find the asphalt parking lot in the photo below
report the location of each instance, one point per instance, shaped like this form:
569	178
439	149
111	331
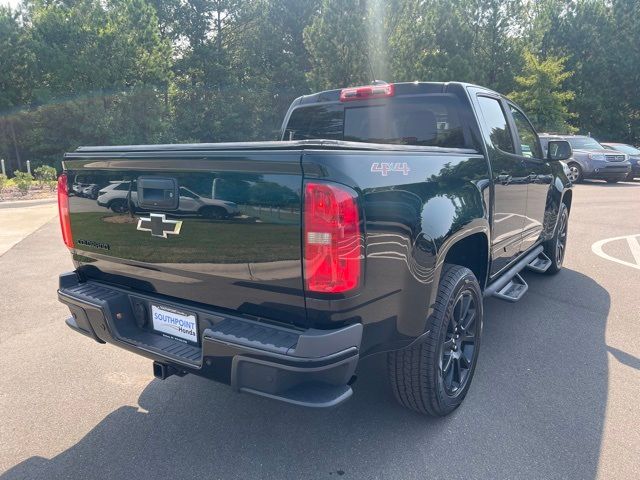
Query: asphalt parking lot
555	394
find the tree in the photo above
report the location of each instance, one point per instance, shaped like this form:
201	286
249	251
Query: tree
540	93
626	57
337	45
585	34
16	60
101	69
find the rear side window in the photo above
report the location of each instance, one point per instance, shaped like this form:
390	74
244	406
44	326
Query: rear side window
496	122
320	121
427	120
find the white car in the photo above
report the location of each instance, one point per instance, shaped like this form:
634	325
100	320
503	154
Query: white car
114	196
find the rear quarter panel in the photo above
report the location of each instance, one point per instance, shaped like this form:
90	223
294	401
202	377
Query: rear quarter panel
413	210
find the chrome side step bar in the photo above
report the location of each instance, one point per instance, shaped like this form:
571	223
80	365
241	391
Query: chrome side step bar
511	286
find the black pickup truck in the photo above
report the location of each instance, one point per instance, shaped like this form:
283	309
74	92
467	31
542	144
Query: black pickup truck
377	225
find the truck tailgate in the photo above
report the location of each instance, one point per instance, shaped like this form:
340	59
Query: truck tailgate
216	228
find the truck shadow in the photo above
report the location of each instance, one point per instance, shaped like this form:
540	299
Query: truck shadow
536	409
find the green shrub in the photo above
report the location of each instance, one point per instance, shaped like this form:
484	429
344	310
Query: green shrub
3	181
23	181
46	175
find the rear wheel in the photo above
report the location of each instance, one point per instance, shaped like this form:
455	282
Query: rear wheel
575	172
433	377
214	213
556	247
119	206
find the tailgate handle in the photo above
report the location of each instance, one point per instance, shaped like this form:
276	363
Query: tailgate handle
156	192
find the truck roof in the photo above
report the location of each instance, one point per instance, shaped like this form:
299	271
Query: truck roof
402	88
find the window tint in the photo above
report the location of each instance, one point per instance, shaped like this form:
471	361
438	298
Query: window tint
432	120
528	137
496	122
320	121
427	120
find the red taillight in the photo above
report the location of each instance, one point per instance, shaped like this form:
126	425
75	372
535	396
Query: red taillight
332	240
369	91
63	210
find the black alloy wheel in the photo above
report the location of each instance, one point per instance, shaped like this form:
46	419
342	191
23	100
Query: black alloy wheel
556	247
458	348
561	243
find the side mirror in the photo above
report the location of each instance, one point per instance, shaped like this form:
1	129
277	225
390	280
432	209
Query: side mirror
558	150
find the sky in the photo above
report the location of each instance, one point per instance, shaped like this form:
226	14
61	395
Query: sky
11	3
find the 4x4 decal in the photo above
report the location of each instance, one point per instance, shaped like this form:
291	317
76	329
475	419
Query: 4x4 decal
384	168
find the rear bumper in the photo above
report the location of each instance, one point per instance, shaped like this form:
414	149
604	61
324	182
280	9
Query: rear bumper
305	367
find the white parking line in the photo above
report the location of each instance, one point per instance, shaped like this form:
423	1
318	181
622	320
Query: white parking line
634	246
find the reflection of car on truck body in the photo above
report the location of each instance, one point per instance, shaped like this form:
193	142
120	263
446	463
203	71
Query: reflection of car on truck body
394	209
590	159
115	196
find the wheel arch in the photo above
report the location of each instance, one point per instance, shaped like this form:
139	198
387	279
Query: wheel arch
462	249
567	197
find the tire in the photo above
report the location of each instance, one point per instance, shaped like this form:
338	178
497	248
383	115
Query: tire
419	375
630	177
576	175
612	180
119	206
555	248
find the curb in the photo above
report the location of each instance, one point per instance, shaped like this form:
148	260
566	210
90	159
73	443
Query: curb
26	203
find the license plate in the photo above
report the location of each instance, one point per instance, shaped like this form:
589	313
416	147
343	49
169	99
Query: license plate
177	325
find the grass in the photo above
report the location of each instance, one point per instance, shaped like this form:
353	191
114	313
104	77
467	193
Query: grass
200	240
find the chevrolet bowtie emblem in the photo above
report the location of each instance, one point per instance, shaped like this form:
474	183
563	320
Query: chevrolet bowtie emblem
158	225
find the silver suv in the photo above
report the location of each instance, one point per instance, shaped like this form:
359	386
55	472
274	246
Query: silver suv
591	160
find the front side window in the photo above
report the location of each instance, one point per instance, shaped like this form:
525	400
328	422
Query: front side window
526	134
496	122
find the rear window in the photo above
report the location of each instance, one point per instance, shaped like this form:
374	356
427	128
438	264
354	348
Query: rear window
428	120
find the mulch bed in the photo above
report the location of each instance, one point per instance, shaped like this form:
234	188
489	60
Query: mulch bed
34	193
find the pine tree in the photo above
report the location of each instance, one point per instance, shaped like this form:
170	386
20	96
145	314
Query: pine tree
540	93
337	45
